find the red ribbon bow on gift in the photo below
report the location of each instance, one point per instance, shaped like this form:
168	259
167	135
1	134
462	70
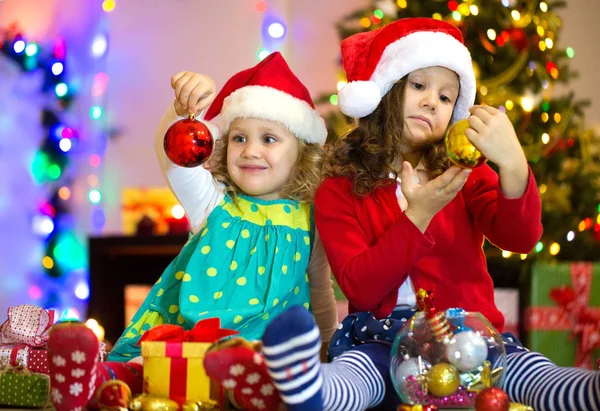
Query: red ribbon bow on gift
208	330
585	321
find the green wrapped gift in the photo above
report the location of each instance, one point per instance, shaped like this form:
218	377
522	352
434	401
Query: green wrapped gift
22	388
563	317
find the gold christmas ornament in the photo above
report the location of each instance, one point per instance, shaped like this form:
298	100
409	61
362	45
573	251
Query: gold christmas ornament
460	150
206	405
144	402
515	406
443	379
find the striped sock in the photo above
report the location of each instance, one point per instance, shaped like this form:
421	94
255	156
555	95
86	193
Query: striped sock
534	380
291	346
351	382
291	349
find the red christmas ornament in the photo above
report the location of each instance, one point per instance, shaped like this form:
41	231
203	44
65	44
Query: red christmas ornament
519	39
113	395
188	142
492	399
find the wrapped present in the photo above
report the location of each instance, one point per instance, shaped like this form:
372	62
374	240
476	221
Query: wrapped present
563	319
34	359
173	361
507	301
24	336
20	387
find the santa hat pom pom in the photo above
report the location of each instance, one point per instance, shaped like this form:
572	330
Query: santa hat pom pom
358	99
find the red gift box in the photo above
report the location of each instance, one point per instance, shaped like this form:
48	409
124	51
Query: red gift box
24	336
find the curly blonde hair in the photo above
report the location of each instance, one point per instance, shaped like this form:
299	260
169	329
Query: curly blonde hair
368	152
302	183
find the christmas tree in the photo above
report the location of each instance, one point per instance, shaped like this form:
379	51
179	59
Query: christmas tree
517	64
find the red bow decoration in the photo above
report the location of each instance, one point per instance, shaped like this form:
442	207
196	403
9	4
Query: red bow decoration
585	321
208	330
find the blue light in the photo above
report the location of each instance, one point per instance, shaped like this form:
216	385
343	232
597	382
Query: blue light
276	30
19	46
57	68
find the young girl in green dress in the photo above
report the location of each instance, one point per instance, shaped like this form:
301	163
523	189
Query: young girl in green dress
253	248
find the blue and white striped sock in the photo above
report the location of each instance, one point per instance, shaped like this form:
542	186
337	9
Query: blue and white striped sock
534	380
291	347
351	382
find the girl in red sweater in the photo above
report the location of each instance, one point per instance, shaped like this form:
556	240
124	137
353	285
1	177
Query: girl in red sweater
394	217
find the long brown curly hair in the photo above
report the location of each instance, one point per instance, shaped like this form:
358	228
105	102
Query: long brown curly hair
367	154
302	183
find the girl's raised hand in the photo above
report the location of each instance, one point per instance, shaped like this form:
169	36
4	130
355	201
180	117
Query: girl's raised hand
425	201
494	135
193	92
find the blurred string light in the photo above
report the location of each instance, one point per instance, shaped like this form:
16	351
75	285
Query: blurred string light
273	30
96	328
99	48
57	68
63	267
177	211
99	45
108	5
19	46
276	30
54	154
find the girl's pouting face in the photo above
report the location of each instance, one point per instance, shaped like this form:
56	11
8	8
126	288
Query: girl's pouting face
429	98
261	156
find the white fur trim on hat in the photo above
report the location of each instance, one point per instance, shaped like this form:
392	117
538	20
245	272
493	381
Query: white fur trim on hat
359	98
416	51
214	129
268	103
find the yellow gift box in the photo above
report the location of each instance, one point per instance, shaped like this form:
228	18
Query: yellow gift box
174	362
175	370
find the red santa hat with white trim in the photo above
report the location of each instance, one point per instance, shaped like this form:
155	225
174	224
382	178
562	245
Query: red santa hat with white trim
270	91
375	60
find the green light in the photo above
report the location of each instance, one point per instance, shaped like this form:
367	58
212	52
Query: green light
545	106
94	196
333	99
570	52
30	63
378	13
262	54
54	171
539	247
69	253
96	112
61	90
599	207
39	166
31	49
456	16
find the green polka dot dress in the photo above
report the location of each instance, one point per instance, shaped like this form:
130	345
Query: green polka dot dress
245	266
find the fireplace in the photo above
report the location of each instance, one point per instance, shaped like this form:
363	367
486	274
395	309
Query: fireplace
122	262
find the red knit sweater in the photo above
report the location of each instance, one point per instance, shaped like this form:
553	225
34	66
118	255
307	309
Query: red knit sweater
373	247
